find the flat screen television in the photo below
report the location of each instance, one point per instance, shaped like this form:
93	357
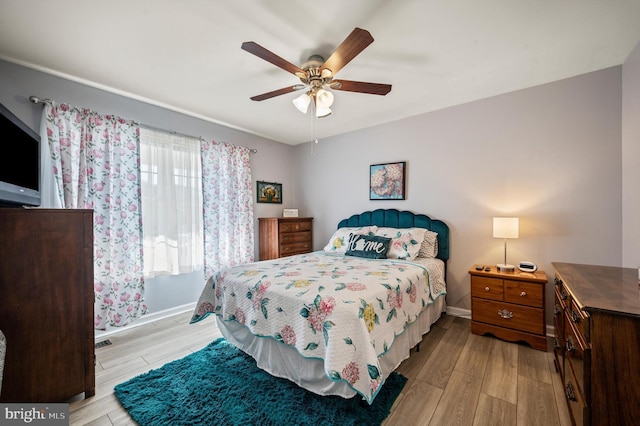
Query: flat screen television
19	162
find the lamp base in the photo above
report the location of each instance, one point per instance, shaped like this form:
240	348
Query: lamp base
502	267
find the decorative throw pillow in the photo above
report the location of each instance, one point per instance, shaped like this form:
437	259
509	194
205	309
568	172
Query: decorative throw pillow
369	246
429	247
405	242
340	238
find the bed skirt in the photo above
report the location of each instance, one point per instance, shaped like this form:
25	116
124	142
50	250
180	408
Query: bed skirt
285	361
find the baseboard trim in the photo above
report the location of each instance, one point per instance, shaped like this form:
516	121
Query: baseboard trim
459	312
146	319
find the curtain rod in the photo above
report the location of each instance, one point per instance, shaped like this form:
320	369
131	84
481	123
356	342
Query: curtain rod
37	100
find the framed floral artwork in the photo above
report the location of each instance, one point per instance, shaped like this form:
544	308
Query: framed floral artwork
269	192
387	181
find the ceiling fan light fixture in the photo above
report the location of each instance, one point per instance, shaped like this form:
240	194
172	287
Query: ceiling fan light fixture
324	98
322	112
302	102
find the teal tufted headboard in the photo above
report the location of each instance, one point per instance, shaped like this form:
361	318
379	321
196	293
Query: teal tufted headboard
393	218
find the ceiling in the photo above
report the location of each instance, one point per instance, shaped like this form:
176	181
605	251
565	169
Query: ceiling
186	56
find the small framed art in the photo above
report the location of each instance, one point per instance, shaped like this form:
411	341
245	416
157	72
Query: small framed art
387	181
269	192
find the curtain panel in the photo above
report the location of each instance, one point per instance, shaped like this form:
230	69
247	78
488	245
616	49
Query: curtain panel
227	206
95	166
171	203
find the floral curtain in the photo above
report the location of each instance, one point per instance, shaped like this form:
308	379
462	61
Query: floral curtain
227	205
95	164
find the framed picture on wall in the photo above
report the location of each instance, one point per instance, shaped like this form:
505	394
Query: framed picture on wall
387	181
269	192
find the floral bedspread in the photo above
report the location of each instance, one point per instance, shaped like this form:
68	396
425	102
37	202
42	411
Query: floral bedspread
345	310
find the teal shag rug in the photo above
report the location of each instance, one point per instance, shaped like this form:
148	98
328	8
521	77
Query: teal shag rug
221	385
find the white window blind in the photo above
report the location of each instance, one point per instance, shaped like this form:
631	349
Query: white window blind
171	176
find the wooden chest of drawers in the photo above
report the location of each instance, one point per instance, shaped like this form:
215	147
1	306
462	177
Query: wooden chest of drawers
280	237
597	344
509	305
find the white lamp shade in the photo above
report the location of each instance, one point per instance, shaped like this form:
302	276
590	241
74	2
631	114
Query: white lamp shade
324	98
505	227
302	102
322	111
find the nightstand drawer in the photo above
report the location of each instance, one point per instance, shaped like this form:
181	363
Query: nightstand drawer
508	315
487	288
522	293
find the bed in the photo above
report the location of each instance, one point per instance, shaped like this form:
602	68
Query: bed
337	321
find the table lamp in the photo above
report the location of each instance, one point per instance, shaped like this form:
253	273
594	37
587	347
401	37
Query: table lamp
505	227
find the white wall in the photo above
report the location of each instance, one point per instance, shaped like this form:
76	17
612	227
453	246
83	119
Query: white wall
631	160
550	155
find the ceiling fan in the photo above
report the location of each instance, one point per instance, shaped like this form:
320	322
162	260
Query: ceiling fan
317	75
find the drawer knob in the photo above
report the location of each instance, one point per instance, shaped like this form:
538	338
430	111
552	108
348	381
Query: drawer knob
523	294
487	289
575	316
571	395
570	345
505	314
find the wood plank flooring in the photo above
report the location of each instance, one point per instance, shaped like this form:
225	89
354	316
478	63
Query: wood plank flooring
456	378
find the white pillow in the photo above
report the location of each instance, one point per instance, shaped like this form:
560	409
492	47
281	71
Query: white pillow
340	239
405	242
429	247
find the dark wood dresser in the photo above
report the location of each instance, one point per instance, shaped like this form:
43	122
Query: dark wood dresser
284	236
46	304
597	344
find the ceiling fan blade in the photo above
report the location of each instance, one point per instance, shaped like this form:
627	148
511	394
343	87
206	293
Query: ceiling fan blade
355	43
361	87
261	52
278	92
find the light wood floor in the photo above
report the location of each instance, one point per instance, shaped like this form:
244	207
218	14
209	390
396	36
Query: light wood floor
456	378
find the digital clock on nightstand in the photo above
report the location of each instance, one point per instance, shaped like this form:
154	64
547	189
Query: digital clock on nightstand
526	266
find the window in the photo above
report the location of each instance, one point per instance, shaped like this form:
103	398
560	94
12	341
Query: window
171	176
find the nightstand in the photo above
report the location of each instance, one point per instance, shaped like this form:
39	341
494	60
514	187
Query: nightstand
509	305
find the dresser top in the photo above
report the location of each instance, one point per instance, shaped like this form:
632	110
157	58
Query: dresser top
602	288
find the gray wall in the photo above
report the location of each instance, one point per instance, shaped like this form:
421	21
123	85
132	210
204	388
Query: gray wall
271	163
631	160
550	155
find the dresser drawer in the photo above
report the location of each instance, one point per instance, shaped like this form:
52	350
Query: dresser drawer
296	237
522	293
508	315
295	226
580	319
579	409
578	356
295	248
487	288
561	293
559	339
